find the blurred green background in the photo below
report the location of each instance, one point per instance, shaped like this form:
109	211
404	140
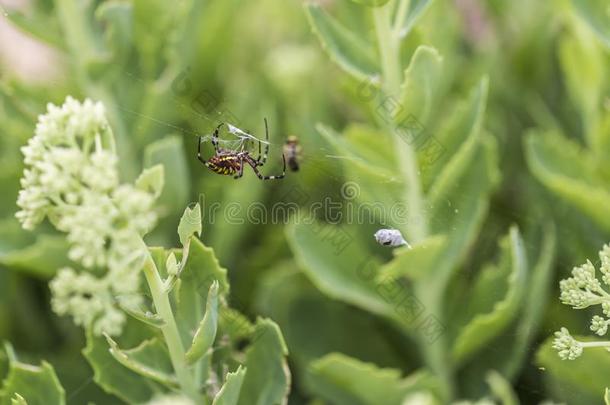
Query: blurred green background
531	77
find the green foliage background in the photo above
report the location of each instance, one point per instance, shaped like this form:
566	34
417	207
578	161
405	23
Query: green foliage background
518	94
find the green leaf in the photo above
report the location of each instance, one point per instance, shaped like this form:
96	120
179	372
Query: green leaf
484	327
229	393
343	380
501	388
287	297
587	376
371	3
459	138
416	11
582	62
267	379
117	19
234	324
415	262
37	385
42	258
533	311
169	152
190	224
346	274
420	86
368	156
206	333
18	400
150	360
152	180
607	396
344	47
190	294
148	317
578	182
459	209
597	15
120	381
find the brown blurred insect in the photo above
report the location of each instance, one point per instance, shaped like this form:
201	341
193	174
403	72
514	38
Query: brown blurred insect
292	151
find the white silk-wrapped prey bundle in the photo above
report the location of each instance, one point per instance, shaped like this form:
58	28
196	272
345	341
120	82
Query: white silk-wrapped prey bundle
390	237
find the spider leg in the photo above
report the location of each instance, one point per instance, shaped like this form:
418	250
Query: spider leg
215	137
240	173
199	152
260	162
253	163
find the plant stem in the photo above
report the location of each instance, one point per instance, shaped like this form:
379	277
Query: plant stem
391	70
401	16
388	37
170	330
595	344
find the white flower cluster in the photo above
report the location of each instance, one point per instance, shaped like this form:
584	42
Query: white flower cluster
583	289
568	347
71	177
580	291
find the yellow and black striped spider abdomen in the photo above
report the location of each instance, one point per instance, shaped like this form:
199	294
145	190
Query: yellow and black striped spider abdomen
225	165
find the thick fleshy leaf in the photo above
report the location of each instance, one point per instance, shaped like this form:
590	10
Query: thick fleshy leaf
42	259
206	333
149	359
420	85
117	19
540	284
339	265
502	389
458	139
459	207
190	293
119	381
344	47
152	180
169	152
229	393
267	379
578	182
582	61
369	164
343	380
416	11
38	385
595	12
508	352
147	317
190	224
484	327
18	400
417	261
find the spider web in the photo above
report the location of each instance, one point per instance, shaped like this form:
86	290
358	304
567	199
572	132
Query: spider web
243	139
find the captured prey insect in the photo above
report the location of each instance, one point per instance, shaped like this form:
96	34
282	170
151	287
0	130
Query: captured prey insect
231	161
292	151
